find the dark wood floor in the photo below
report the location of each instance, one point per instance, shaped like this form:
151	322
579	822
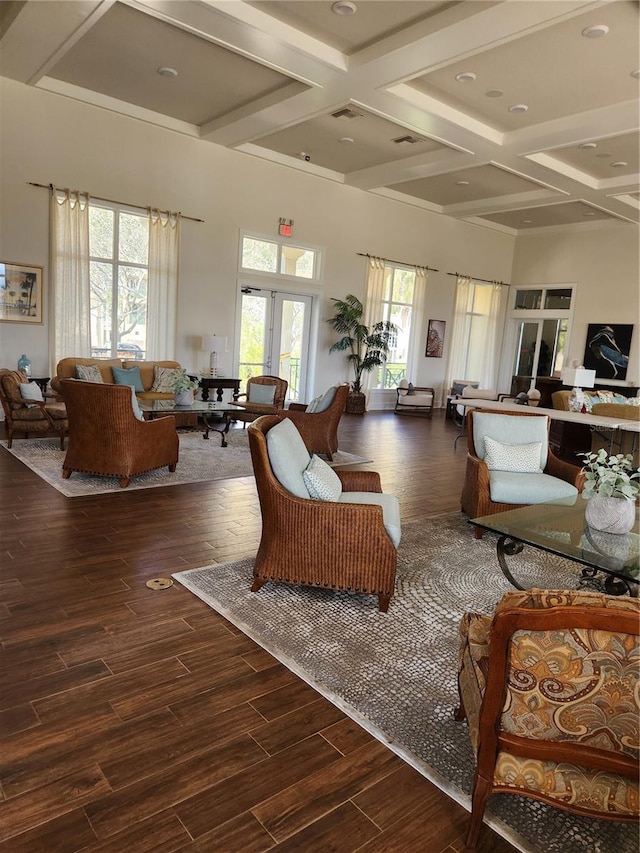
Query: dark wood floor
139	720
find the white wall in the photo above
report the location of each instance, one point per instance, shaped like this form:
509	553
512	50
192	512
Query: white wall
603	266
51	139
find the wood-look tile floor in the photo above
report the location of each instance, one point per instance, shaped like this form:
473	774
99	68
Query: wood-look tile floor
138	720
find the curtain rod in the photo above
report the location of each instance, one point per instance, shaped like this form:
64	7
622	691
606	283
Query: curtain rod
111	200
404	263
473	278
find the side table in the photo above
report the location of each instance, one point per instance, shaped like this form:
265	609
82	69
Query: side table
42	381
219	383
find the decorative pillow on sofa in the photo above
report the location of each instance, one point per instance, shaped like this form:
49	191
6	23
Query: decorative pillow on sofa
89	373
31	391
128	376
322	481
519	458
164	379
262	394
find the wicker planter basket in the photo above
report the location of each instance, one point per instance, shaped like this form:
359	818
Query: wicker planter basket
355	403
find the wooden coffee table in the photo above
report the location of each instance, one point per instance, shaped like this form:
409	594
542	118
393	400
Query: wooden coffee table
612	561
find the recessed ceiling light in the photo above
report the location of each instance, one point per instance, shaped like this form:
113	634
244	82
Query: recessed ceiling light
462	183
346	140
588	145
618	164
344	7
167	71
589	213
595	32
604	154
518	108
526	221
636	73
466	77
494	93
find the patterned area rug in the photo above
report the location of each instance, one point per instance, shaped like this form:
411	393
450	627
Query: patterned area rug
395	673
199	460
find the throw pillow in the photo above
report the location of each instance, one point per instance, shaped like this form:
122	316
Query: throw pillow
164	379
321	480
128	376
633	401
519	458
262	394
326	399
135	405
606	397
89	373
313	405
31	391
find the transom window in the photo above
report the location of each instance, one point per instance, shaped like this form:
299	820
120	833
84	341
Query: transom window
276	257
118	272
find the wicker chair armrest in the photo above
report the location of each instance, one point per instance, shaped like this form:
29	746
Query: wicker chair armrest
360	481
564	471
297	407
481	472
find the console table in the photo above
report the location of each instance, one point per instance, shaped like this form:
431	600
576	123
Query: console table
218	383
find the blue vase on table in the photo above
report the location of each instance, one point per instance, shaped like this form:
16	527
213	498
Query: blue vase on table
24	365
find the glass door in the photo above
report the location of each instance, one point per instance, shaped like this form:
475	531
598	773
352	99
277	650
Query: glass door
540	348
274	337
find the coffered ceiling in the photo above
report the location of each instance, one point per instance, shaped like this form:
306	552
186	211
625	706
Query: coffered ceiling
513	114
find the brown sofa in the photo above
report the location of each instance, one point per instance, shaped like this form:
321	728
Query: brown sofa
66	369
624	442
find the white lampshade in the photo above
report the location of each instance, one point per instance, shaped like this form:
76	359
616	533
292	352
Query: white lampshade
579	377
214	343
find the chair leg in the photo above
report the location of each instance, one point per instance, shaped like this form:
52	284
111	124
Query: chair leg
66	473
481	790
124	482
383	602
479	531
257	583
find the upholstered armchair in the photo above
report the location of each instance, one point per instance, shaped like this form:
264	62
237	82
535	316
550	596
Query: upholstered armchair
31	415
318	422
106	439
265	395
550	690
345	541
510	464
414	399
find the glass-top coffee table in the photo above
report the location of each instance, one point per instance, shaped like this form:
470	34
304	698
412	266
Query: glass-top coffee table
609	561
217	417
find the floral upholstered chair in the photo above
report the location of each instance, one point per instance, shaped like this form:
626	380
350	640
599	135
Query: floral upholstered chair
550	688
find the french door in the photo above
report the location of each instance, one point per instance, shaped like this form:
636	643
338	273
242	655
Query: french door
274	337
540	347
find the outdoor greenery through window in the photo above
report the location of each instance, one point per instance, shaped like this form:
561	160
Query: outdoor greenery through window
279	258
397	307
119	268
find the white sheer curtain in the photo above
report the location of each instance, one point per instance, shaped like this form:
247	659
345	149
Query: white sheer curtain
489	374
373	311
162	289
457	362
71	296
417	321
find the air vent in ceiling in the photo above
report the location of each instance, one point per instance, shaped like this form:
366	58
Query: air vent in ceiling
346	112
407	140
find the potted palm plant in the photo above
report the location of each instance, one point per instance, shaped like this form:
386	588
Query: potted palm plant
611	487
367	348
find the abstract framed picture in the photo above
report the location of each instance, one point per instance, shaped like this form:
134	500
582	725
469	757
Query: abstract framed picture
607	349
21	293
435	338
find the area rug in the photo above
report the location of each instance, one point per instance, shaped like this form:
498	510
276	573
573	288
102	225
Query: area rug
199	461
395	673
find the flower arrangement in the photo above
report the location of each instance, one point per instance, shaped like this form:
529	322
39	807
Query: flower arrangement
610	476
183	382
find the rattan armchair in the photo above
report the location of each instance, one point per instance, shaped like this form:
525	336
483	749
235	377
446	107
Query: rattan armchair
106	439
258	398
31	417
550	690
340	546
319	429
476	499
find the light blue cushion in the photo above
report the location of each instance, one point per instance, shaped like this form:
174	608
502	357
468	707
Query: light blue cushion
128	376
390	510
321	480
134	404
327	399
511	429
263	394
507	487
313	405
288	457
31	391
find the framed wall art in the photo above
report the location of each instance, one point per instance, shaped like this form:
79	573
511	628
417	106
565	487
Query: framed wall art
435	339
607	349
21	293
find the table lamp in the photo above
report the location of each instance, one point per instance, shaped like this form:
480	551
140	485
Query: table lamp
580	378
213	344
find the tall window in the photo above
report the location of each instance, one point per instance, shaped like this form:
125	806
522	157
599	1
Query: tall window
397	306
119	274
473	353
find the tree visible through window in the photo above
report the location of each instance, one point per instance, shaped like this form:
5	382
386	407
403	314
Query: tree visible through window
397	307
119	270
